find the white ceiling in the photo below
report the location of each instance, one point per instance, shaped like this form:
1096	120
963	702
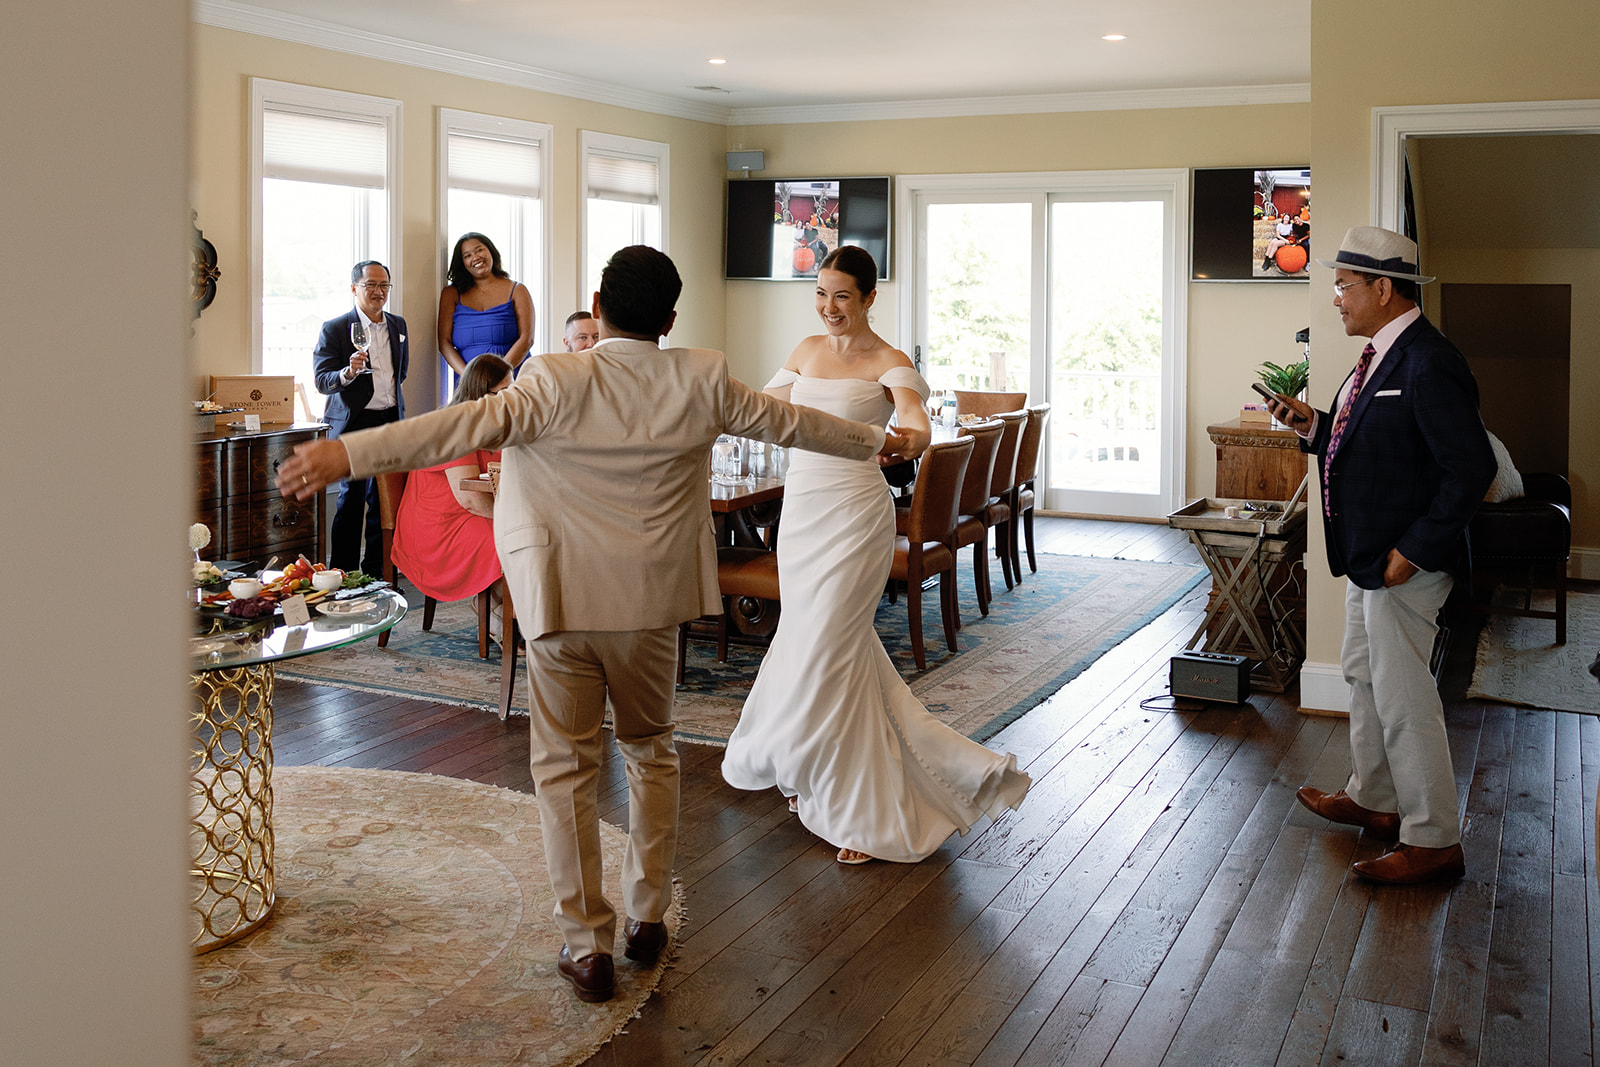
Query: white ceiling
792	55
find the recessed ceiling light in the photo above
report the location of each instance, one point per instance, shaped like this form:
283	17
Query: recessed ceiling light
716	62
1114	37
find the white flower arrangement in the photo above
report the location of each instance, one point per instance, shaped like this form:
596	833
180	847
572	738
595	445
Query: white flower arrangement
199	537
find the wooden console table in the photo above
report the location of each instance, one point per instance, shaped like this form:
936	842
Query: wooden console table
1256	462
235	495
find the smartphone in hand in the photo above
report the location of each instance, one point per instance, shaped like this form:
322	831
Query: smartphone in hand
1268	394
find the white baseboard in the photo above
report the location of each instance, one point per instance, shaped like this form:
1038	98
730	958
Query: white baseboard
1323	690
1585	563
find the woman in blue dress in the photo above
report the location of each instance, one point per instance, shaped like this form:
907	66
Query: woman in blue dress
482	309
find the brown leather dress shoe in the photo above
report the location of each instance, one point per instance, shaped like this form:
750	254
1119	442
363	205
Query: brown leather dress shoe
592	977
1338	807
1410	864
645	941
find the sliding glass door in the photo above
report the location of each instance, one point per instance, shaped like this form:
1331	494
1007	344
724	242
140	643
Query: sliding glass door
1067	287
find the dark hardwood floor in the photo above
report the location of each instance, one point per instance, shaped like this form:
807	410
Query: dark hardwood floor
1159	898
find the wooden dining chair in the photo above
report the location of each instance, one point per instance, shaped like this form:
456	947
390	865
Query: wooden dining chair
391	490
928	547
997	514
748	580
970	529
1023	492
986	403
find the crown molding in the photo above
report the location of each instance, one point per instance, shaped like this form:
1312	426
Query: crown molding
245	18
1040	103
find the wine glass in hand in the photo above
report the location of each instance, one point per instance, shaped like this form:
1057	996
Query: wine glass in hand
361	337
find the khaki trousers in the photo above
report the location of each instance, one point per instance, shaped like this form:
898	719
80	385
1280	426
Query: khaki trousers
570	677
1399	751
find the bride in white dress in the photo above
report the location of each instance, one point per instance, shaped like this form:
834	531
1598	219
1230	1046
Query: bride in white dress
829	720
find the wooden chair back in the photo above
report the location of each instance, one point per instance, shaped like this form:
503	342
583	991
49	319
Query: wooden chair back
986	402
980	467
1028	447
391	488
1005	457
933	503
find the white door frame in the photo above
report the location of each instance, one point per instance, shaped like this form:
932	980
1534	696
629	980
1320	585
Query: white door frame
1175	289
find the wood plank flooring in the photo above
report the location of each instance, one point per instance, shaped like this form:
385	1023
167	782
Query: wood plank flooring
1159	898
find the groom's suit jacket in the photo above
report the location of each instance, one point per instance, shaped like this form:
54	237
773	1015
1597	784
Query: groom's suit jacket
1414	463
603	520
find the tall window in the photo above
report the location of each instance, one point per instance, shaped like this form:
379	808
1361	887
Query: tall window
491	172
325	164
625	190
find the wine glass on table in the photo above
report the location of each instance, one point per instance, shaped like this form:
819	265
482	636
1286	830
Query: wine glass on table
361	337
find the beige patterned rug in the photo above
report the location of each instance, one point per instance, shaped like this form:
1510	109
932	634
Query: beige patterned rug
1037	637
412	926
1520	663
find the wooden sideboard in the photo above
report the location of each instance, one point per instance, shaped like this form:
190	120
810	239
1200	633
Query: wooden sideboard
235	495
1256	462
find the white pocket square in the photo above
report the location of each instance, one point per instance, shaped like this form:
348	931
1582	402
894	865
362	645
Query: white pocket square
1380	392
402	338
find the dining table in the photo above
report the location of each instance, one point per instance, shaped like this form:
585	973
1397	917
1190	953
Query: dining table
230	767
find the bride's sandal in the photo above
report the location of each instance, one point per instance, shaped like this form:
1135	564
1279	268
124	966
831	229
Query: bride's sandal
794	805
852	858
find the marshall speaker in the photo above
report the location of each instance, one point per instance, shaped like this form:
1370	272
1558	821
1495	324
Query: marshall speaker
1211	676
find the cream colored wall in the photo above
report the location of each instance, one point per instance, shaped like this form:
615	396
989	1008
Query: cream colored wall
225	60
93	771
1579	268
1231	328
1373	53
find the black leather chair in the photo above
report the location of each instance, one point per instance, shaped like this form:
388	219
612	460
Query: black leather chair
1528	538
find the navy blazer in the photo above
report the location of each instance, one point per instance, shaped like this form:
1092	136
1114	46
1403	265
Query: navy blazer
1413	466
332	356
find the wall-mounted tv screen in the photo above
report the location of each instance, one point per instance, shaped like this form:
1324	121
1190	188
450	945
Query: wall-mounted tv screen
1251	224
782	229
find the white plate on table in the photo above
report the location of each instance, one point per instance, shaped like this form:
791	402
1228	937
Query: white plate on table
348	607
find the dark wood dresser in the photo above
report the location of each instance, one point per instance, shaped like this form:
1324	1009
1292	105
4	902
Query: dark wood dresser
235	495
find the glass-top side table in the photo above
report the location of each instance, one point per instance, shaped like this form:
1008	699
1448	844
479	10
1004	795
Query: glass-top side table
230	765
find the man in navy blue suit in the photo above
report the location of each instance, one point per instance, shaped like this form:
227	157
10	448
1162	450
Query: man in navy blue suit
1404	461
363	389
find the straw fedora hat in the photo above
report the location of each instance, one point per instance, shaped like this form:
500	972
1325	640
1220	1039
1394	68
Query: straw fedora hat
1374	250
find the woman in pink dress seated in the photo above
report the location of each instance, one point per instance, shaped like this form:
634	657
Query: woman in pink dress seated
443	534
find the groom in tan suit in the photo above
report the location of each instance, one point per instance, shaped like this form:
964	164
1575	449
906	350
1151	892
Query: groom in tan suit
603	526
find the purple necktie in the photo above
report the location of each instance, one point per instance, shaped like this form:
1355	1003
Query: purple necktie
1336	436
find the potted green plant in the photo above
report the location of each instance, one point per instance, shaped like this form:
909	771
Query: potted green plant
1287	381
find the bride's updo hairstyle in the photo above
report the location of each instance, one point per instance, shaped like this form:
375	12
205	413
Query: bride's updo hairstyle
856	262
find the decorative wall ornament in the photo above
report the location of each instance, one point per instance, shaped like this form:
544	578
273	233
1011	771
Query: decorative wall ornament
203	283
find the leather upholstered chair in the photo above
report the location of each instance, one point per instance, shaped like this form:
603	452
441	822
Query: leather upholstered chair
985	402
1000	510
748	579
391	489
970	529
1023	490
928	547
1530	537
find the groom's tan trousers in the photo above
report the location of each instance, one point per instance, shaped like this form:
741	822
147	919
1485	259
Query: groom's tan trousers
570	676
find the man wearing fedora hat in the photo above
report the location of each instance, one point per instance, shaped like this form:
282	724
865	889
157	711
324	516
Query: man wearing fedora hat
1404	463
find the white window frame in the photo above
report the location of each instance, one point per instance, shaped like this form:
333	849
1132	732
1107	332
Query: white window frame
332	103
616	146
540	133
1171	183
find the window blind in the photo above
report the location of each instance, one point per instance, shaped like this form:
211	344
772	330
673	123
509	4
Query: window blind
322	148
493	165
632	181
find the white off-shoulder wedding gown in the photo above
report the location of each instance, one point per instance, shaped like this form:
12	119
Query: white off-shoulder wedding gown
829	719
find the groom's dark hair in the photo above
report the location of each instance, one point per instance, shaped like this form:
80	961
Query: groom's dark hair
638	290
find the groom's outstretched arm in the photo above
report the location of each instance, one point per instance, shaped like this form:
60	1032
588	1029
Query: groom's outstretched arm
748	413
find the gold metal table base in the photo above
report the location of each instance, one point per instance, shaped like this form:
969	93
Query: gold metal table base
231	803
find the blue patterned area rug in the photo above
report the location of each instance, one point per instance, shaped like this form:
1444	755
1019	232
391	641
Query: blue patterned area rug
1036	638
